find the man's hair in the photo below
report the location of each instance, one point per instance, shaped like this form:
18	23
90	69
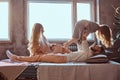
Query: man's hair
102	50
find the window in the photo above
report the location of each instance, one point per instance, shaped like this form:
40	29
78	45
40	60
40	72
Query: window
84	12
58	18
4	31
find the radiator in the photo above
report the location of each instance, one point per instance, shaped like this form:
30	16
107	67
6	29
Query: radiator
73	47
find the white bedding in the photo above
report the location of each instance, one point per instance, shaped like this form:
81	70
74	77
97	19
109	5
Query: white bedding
78	71
64	71
11	70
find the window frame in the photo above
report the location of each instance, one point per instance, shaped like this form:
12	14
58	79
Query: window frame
74	12
5	41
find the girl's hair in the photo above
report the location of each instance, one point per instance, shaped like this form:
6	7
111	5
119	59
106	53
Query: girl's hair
35	37
105	35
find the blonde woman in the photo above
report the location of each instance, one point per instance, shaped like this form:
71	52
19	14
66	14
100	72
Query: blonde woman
103	33
38	43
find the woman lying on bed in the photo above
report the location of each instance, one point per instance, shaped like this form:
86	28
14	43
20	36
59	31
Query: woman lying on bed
80	56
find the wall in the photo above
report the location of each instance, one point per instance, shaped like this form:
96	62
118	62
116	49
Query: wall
17	17
106	12
18	24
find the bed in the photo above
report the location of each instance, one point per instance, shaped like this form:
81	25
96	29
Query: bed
64	71
79	71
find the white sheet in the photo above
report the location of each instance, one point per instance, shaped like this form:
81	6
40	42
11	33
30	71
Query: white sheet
79	71
11	69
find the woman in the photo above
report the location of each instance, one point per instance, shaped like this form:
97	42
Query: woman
38	43
103	33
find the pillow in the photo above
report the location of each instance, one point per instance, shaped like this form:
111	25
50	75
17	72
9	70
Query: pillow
98	59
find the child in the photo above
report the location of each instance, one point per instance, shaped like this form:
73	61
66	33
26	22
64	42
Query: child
57	48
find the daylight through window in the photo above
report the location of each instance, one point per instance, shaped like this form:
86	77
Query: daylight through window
57	18
4	34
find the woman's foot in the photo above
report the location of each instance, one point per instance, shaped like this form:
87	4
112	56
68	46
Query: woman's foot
11	55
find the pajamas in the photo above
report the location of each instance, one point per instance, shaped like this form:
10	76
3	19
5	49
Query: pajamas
80	55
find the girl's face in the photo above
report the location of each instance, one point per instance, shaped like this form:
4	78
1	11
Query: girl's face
42	30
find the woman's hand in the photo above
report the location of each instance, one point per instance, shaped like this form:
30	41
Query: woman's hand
73	40
66	50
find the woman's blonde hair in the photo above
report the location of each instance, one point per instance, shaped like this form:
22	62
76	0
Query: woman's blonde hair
105	35
35	37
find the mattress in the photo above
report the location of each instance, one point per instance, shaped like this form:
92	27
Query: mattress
61	71
79	71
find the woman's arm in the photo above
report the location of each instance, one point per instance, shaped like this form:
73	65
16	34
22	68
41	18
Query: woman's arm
73	40
66	50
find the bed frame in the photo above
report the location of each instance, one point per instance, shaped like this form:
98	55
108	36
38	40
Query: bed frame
30	73
46	71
